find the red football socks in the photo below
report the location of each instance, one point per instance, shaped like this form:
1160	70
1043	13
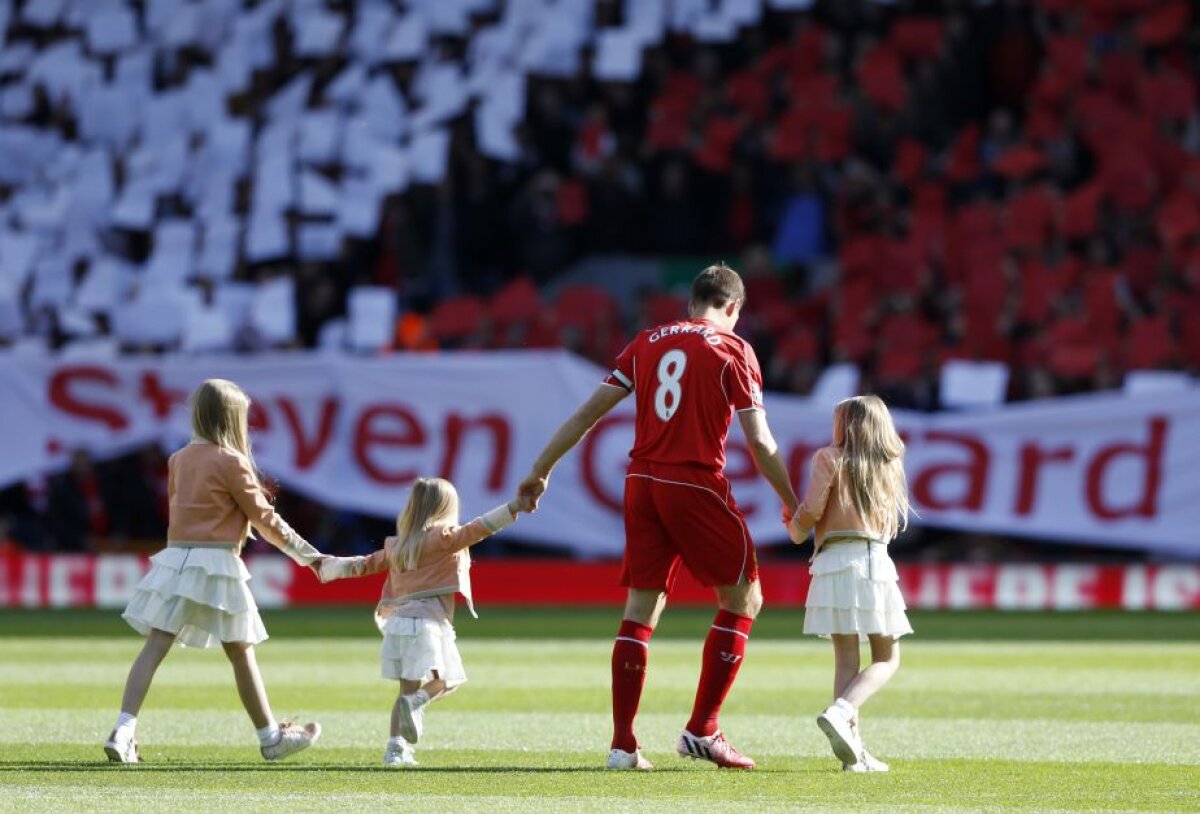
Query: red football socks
631	651
723	652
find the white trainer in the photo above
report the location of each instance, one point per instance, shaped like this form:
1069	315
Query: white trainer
866	763
123	750
292	739
620	759
412	718
838	727
399	756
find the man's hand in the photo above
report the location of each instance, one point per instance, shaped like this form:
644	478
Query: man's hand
530	492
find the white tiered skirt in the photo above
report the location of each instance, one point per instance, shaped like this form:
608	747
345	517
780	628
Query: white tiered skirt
854	590
414	648
200	594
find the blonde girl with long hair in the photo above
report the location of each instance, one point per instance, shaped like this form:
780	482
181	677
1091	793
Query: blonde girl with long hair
195	593
857	502
427	564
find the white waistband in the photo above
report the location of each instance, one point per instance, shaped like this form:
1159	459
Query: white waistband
231	546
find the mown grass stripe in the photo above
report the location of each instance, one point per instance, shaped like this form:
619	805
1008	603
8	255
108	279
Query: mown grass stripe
584	733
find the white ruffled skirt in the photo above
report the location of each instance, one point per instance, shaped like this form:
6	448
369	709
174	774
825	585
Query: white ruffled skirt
855	589
414	648
200	594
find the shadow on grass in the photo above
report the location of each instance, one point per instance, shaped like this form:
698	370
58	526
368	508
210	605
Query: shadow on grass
10	767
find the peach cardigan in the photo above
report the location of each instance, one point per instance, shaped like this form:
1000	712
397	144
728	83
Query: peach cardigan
442	569
214	500
825	507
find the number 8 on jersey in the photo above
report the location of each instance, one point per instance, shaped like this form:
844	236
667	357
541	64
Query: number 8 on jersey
669	392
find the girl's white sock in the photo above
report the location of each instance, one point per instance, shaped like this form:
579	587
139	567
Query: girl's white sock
420	698
397	742
846	707
126	724
269	734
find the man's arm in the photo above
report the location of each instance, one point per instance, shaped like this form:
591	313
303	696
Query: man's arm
566	437
766	455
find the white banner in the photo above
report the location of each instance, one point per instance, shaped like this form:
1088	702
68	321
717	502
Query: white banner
1099	469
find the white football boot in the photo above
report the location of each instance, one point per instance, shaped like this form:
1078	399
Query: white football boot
620	759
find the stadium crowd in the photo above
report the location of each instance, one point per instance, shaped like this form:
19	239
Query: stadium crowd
901	184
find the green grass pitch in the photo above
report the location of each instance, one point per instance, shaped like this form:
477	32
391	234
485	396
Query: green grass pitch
989	712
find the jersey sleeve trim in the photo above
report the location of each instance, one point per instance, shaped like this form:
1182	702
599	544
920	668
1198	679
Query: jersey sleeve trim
623	379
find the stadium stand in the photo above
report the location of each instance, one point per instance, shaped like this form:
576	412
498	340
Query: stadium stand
905	185
976	178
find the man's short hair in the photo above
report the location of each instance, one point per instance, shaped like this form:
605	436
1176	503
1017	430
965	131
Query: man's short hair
717	286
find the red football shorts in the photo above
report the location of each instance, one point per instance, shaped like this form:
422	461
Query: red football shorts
680	513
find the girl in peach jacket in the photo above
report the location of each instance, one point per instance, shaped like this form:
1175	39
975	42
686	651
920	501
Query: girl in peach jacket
857	502
427	564
195	593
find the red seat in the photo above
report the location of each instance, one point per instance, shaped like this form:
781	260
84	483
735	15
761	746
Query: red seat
1080	211
764	288
586	307
797	347
1037	294
544	332
1070	349
1070	331
517	301
458	321
1030	218
1074	362
908	331
1190	328
918	37
663	308
1149	345
774	317
897	364
1100	300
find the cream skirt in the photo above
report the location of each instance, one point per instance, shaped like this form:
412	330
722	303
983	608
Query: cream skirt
200	594
854	590
414	648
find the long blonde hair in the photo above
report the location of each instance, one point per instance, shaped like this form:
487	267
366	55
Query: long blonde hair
431	502
873	464
220	415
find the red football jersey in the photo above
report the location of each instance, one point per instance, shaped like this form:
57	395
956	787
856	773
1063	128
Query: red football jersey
688	377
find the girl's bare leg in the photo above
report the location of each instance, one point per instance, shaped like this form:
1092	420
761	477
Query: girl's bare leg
885	660
845	662
249	683
141	673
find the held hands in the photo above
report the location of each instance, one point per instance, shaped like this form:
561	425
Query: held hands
530	492
518	505
795	533
315	566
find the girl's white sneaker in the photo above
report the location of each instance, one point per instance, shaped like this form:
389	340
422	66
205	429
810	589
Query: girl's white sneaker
121	751
292	739
399	756
412	718
838	727
866	763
